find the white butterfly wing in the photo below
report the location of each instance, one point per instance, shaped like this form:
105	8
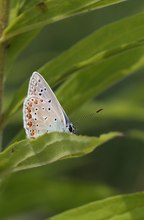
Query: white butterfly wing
40	116
40	88
42	111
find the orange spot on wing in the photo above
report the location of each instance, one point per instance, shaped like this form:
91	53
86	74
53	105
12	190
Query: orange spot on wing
41	100
29	109
29	116
35	101
29	123
30	104
33	133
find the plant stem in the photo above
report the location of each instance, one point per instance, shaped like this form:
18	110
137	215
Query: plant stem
4	12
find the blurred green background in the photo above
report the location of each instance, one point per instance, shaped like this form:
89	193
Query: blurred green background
117	167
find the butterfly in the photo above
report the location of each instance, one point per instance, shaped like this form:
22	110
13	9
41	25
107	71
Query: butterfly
42	112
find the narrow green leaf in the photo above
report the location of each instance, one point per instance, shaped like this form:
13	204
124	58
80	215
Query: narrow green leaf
96	47
36	190
46	12
25	5
95	79
104	3
92	50
49	148
124	207
101	3
17	44
14	7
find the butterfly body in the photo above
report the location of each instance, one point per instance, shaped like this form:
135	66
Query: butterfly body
42	111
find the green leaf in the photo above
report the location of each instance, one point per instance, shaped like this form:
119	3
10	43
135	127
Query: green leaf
96	79
94	56
41	13
14	7
35	190
49	148
25	5
17	44
103	3
126	207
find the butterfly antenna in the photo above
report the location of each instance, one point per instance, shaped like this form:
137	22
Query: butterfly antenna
90	115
